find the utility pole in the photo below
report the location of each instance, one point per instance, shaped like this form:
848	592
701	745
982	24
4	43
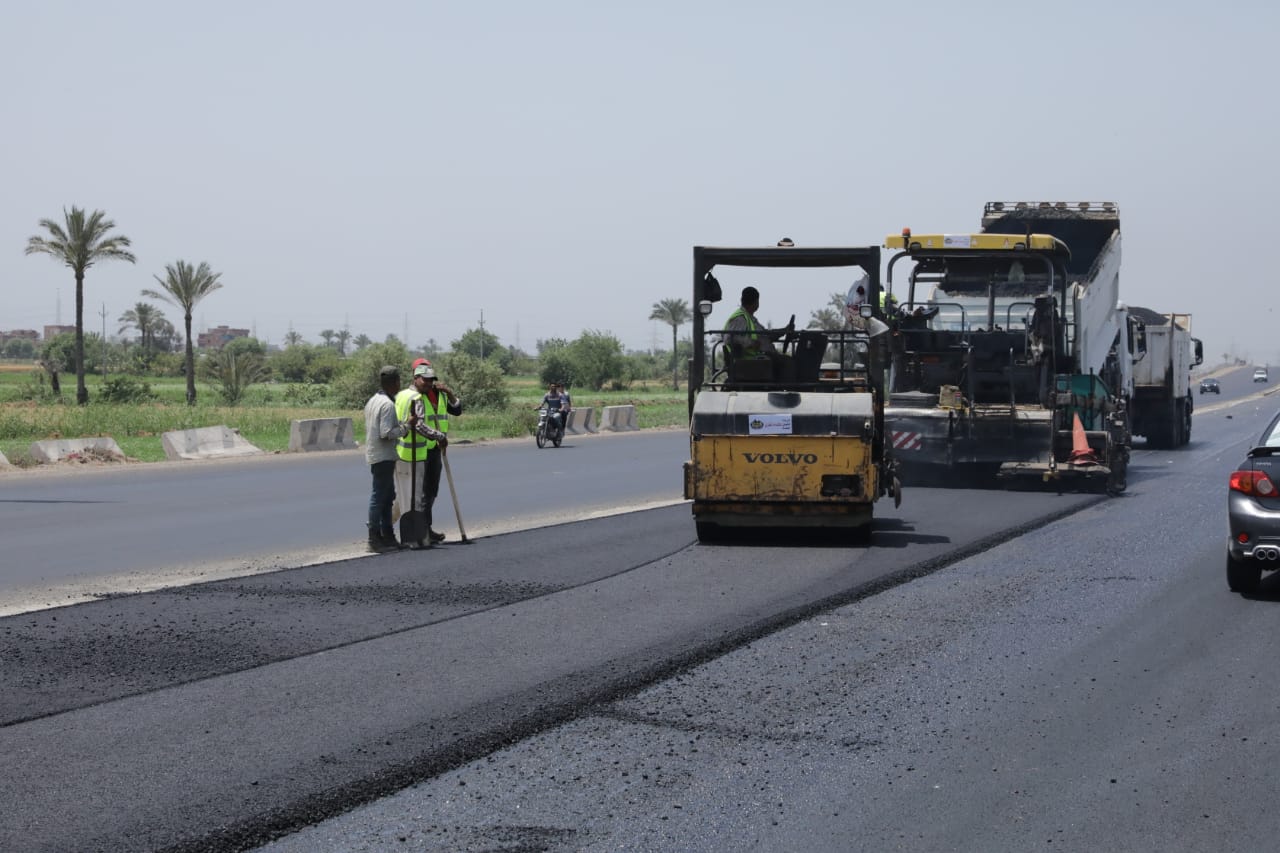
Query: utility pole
104	342
482	334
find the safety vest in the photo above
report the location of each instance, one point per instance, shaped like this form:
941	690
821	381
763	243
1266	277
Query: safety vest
405	447
438	419
752	335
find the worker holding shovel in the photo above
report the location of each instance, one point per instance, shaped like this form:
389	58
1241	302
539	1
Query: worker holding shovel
414	494
439	401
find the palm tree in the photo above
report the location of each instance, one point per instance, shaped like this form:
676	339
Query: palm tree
327	335
184	286
675	313
144	317
343	337
362	340
292	338
80	243
233	372
163	334
826	319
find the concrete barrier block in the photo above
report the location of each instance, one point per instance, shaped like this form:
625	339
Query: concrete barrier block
581	421
618	418
306	436
205	443
51	450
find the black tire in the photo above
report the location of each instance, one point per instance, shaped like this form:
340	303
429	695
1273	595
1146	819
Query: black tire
1243	577
556	441
861	536
1118	481
708	533
541	438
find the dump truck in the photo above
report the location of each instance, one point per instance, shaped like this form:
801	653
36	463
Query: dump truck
1162	400
791	436
1010	357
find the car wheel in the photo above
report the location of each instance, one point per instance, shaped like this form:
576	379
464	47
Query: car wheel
1243	576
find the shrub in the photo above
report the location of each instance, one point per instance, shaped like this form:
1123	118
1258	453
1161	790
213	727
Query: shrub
126	389
305	394
231	373
480	383
358	379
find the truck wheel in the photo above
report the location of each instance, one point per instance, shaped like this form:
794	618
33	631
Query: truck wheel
1243	577
708	533
1118	480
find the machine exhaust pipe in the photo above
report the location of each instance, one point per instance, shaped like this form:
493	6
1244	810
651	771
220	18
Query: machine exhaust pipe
1270	553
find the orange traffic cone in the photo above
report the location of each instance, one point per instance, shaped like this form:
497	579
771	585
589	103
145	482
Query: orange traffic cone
1081	452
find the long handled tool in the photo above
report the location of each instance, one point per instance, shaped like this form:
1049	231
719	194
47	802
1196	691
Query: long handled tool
413	524
444	454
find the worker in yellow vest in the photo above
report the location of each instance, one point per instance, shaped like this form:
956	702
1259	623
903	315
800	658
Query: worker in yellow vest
414	449
434	402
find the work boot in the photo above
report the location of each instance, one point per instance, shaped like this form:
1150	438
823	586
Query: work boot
434	537
376	543
389	539
420	545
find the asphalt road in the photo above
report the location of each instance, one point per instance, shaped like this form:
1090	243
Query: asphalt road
73	535
1089	685
216	715
609	684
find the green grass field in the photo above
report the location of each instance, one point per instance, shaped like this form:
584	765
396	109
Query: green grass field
264	419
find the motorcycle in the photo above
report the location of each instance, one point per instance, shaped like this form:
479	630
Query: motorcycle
550	428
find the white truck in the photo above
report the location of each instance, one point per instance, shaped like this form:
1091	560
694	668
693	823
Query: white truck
1162	401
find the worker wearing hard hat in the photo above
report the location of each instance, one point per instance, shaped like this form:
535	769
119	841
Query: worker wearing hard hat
414	451
438	401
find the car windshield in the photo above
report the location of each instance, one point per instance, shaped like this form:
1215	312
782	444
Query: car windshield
1271	438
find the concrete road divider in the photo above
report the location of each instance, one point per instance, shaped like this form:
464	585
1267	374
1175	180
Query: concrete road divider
313	434
54	449
205	443
618	418
581	421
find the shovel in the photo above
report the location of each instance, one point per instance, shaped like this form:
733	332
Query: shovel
413	524
454	494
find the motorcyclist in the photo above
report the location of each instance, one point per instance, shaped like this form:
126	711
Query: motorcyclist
555	403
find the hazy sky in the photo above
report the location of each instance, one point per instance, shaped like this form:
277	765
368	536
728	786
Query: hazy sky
551	164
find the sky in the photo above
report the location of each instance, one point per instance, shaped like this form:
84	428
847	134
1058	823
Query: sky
415	168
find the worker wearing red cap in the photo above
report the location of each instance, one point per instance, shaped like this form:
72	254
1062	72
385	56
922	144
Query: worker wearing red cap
439	402
415	451
433	402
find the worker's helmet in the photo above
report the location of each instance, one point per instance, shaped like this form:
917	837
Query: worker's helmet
424	370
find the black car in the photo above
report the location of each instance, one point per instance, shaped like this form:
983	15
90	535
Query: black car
1253	513
1210	386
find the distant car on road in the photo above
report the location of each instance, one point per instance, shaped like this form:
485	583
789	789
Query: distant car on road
1253	513
1260	374
1210	386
